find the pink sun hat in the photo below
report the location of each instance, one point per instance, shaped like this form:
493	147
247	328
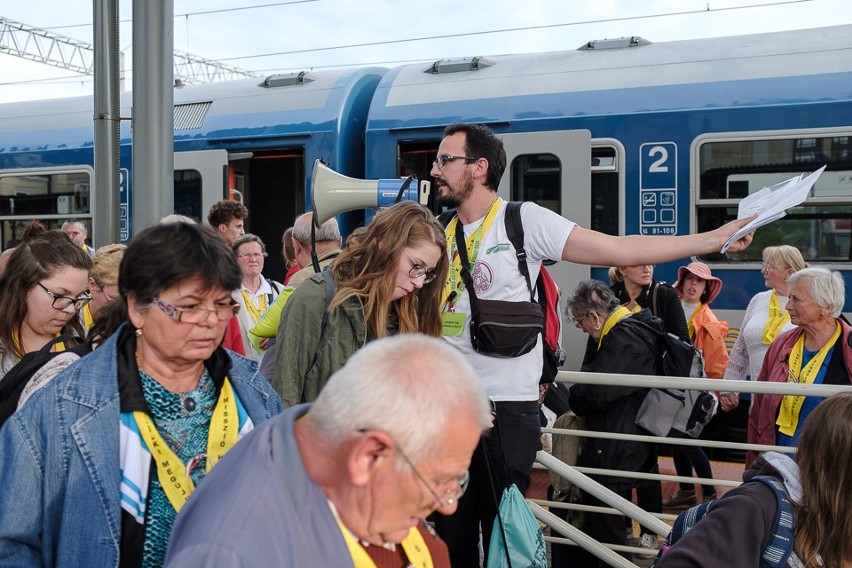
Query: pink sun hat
714	285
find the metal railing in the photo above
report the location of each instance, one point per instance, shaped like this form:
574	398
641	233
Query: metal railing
578	476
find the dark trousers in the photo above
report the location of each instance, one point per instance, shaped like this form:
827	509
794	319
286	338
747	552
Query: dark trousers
649	492
687	458
520	438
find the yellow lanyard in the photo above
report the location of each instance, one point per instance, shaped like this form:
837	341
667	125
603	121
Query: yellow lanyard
791	405
691	326
88	319
778	317
454	282
254	311
613	319
172	473
414	546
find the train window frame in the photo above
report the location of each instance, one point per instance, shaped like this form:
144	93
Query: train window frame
601	171
50	220
528	164
817	211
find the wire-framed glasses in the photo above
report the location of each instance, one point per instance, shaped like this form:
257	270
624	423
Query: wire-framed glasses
444	159
197	315
418	271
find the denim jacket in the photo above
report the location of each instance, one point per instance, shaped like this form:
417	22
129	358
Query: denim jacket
59	463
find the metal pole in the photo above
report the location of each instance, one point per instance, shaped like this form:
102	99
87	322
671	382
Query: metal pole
106	118
153	112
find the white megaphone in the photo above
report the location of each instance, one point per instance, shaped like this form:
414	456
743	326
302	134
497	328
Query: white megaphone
333	193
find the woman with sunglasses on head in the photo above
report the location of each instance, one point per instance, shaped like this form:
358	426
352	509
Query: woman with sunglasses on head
389	283
110	450
42	289
765	319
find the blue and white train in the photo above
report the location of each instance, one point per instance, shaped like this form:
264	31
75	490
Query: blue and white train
624	136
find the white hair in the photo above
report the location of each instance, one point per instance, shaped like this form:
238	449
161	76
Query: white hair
826	287
408	386
330	231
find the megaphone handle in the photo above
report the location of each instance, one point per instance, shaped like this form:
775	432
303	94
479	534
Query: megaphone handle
402	189
314	258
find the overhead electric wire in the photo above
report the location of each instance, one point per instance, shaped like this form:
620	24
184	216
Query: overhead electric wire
511	30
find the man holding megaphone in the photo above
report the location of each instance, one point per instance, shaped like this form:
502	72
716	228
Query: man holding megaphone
467	172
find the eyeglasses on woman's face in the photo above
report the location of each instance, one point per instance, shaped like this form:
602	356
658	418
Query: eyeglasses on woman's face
61	302
578	321
420	271
223	312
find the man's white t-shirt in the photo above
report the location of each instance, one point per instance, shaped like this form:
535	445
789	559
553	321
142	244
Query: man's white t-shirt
496	277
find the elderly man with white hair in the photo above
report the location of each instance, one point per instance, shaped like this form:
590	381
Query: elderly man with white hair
348	479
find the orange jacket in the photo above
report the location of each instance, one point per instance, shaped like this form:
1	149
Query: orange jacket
710	339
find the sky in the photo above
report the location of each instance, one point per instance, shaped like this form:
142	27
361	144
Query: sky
266	37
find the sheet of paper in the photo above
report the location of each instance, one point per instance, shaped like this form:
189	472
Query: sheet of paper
771	203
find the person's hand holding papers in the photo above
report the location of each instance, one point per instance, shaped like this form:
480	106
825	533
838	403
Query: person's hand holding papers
769	204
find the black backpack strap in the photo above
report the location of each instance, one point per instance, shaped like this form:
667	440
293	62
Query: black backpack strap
330	289
445	217
465	264
515	231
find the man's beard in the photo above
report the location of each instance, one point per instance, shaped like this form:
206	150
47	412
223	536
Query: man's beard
456	198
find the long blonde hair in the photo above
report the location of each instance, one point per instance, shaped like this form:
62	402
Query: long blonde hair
367	270
823	524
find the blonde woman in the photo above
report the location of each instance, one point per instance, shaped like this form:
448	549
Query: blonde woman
765	318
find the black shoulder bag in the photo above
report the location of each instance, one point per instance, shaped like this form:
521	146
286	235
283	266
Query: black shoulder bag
500	328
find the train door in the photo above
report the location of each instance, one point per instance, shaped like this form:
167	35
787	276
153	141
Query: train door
199	182
272	184
552	169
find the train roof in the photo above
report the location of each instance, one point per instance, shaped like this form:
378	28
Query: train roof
303	103
643	77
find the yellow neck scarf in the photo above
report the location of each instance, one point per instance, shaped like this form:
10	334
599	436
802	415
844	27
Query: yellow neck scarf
414	546
88	319
172	473
254	311
791	405
691	326
454	282
613	319
778	317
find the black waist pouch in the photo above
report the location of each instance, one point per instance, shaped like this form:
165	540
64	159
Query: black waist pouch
505	329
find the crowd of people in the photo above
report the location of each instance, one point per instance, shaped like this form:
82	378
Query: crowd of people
190	411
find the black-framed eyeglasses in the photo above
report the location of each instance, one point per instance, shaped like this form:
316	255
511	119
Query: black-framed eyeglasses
197	315
419	271
449	496
61	302
444	159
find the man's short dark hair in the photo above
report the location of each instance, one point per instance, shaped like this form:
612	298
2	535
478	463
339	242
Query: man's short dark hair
224	211
480	142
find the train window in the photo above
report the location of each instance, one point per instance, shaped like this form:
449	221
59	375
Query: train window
605	190
821	227
188	194
538	177
49	197
415	158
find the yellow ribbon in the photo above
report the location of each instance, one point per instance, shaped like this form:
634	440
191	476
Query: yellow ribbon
613	319
172	473
454	281
254	311
88	319
791	405
691	326
413	544
778	317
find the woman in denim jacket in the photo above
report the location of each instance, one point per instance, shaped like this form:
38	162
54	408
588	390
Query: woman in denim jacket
96	464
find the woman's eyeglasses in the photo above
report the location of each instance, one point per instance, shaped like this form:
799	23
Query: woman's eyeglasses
420	271
197	315
578	321
61	302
